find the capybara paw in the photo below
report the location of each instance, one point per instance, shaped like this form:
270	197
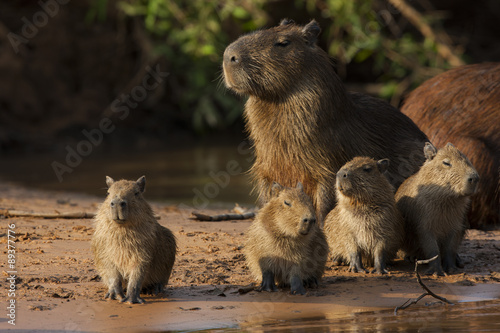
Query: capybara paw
434	271
298	290
357	269
114	295
380	271
297	287
133	300
267	287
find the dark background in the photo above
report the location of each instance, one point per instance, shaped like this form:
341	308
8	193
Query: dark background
65	77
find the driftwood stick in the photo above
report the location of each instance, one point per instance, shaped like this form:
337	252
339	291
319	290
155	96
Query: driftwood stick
428	292
68	215
222	217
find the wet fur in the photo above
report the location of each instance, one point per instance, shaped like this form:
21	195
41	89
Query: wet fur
139	252
434	204
276	251
303	123
365	226
462	106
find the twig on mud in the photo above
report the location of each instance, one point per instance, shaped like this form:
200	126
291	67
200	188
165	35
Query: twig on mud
428	292
222	217
71	215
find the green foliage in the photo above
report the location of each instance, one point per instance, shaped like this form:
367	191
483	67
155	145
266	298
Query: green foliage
192	35
363	30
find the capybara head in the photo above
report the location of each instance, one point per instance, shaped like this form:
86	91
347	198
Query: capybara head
267	63
362	179
123	198
450	170
293	210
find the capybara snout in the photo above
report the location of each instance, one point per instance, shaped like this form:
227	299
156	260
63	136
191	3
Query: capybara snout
119	210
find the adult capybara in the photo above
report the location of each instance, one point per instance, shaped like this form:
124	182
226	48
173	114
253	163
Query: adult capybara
434	204
129	245
462	106
303	123
285	244
365	225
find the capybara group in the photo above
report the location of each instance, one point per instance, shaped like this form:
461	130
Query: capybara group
462	106
130	247
365	225
285	244
303	123
434	203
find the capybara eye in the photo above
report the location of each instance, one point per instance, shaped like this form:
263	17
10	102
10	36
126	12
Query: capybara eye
282	43
367	169
447	162
137	193
288	203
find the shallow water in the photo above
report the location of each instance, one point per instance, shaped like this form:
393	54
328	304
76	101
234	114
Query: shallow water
463	317
196	176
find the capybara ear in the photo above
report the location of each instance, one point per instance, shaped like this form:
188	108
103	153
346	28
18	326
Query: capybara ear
141	182
276	189
109	181
300	186
311	31
449	144
429	151
286	21
383	165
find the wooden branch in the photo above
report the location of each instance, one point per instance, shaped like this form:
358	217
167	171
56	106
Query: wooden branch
222	217
418	21
428	292
68	215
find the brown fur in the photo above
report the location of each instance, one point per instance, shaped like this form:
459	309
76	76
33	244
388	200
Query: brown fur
434	204
462	105
285	244
365	223
303	123
129	245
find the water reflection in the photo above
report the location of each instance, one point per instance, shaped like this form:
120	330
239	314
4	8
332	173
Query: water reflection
464	317
174	175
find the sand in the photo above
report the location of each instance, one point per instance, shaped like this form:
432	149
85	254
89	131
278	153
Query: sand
58	289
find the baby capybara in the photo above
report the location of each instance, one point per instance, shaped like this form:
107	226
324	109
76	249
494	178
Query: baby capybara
462	106
303	123
129	245
365	225
434	204
285	244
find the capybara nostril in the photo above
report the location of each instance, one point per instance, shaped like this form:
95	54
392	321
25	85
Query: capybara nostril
310	220
474	178
123	204
234	59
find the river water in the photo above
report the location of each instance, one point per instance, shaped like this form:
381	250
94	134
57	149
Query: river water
198	176
481	316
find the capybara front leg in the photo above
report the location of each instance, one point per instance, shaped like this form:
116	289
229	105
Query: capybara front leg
379	261
134	288
296	286
115	289
355	264
268	282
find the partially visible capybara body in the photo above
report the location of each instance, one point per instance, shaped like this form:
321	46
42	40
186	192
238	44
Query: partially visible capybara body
130	247
285	244
365	225
303	123
434	204
462	106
